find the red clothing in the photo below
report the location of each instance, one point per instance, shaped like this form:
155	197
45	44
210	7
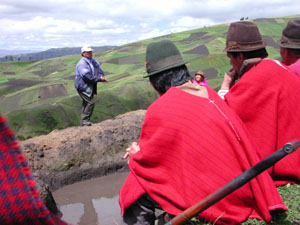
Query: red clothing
295	67
20	201
267	100
190	147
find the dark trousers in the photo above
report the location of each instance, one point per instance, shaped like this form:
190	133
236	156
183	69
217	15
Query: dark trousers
143	212
87	107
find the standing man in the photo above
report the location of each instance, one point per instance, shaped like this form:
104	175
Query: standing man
88	74
290	45
266	97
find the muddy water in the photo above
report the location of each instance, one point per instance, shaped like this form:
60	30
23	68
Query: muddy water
91	202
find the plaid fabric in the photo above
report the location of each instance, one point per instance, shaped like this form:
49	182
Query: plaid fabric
20	201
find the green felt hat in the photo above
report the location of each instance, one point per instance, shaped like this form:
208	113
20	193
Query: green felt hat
161	56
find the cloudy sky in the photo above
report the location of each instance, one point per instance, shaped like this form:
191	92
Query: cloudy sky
43	24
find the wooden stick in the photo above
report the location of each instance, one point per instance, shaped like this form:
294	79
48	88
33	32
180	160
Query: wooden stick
236	183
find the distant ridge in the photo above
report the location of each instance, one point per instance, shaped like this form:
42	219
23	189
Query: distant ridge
50	53
4	52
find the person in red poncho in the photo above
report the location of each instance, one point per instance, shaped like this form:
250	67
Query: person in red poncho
266	97
290	45
20	201
181	158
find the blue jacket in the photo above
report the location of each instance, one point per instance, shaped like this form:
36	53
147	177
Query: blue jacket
88	72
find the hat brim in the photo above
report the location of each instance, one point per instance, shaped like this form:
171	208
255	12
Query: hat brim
246	48
166	68
288	45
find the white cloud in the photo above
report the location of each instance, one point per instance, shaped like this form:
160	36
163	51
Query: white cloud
67	23
152	33
188	23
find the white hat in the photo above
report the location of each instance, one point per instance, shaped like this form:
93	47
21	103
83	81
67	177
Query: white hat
86	48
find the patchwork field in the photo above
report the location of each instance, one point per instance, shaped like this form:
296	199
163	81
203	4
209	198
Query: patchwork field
39	96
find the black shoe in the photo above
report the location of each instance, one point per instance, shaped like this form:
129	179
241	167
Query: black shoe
86	123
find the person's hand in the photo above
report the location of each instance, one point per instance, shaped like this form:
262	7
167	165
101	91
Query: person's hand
134	148
103	79
229	79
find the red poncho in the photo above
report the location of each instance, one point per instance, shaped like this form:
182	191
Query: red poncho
20	201
190	147
267	99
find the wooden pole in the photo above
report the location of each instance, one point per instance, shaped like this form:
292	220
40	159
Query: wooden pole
236	183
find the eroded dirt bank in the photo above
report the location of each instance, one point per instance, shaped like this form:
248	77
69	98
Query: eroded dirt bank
79	153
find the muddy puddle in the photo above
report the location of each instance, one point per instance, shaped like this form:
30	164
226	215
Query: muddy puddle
91	202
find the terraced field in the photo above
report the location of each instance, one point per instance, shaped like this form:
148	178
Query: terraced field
39	96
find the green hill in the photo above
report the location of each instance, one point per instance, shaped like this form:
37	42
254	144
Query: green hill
39	96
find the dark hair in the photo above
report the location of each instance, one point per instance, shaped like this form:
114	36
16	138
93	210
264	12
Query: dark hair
295	51
173	77
260	53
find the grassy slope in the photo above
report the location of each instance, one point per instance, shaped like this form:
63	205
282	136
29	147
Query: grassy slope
21	82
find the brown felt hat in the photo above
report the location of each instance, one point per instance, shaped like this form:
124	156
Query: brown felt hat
161	56
200	72
243	36
291	35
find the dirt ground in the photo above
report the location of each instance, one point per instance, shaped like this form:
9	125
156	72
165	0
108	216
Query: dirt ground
79	153
195	36
270	42
53	91
208	73
9	73
21	83
200	50
132	59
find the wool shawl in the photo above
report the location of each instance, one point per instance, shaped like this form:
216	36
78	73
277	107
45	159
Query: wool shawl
266	98
20	201
190	147
295	67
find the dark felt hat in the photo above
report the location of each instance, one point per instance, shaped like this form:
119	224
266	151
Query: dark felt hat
161	56
291	35
243	36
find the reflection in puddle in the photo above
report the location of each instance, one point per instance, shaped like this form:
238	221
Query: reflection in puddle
92	202
110	214
72	213
107	209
